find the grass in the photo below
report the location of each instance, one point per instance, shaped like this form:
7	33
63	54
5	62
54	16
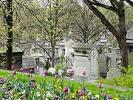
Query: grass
125	81
75	85
130	58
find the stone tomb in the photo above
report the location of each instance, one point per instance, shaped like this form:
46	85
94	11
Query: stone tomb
28	63
85	62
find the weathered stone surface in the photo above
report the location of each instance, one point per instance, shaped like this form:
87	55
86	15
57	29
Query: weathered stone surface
103	64
113	73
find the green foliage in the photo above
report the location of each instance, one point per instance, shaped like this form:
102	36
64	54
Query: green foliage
130	70
123	81
127	70
48	87
59	66
126	80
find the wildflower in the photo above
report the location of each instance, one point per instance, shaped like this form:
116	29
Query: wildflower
48	94
84	97
109	97
31	70
81	93
116	98
66	98
93	98
73	96
77	91
45	73
52	71
10	92
89	94
32	83
37	94
65	89
70	71
59	89
21	69
2	80
56	98
97	96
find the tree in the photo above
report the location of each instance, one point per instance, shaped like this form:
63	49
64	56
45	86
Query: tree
84	25
118	8
8	16
51	24
9	12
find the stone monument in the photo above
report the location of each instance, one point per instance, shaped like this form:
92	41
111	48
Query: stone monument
85	65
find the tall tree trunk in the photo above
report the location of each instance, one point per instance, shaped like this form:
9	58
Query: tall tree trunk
123	51
53	55
122	36
9	21
118	8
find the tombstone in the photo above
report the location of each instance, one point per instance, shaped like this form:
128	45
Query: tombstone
28	63
85	63
94	66
113	73
104	64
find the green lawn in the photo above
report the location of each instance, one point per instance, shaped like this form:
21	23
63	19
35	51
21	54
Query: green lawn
72	84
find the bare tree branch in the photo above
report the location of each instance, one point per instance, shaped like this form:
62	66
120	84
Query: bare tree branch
129	2
114	9
102	18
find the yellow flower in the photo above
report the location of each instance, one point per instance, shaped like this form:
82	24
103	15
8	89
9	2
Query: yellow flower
77	91
84	97
73	96
116	98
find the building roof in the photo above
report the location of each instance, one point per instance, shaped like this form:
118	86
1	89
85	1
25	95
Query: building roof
15	50
85	46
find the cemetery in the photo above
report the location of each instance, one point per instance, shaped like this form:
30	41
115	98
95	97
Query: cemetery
66	50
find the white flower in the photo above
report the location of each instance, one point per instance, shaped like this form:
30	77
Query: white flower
52	71
89	94
97	96
37	94
46	99
48	94
60	72
69	70
23	92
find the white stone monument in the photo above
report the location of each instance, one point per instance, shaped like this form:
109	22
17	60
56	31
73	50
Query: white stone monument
85	61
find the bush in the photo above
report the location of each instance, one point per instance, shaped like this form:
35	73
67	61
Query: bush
124	81
127	70
59	66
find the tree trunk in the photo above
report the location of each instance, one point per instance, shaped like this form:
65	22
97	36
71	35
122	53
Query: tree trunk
123	51
122	36
53	56
9	21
